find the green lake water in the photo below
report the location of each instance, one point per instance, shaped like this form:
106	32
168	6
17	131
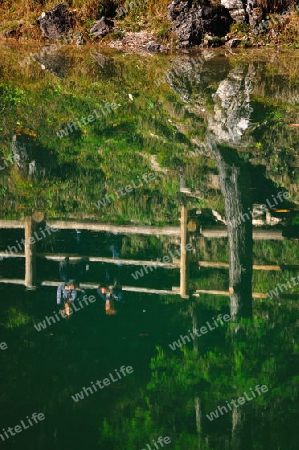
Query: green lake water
145	138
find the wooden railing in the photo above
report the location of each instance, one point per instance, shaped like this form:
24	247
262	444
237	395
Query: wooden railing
31	255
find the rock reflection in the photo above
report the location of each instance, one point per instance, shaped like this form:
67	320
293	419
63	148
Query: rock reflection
232	108
57	63
32	160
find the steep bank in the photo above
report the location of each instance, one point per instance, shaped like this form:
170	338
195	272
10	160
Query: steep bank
159	25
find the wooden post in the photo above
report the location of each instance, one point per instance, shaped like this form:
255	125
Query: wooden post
184	254
30	254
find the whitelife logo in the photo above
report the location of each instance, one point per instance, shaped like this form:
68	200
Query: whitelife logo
18	428
282	287
147	177
3	346
30	241
105	381
203	330
160	440
72	126
241	400
166	259
43	325
242	217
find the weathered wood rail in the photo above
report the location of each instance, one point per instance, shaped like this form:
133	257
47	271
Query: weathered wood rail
115	229
222	265
217	231
130	262
31	255
95	286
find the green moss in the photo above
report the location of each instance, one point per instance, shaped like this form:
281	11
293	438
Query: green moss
16	319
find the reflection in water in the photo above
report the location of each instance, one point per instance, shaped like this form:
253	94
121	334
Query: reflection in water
111	291
234	180
56	63
211	105
228	124
31	158
232	109
183	386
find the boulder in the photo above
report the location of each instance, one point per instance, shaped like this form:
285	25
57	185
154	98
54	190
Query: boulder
10	33
236	10
153	47
192	21
102	27
186	22
232	43
55	23
243	11
13	33
232	106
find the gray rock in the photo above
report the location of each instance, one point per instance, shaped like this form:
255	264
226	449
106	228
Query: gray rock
236	10
192	21
187	22
10	33
102	27
229	119
232	43
153	47
243	11
13	33
255	17
55	23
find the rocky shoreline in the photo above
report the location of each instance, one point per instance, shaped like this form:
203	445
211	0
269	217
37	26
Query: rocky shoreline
230	23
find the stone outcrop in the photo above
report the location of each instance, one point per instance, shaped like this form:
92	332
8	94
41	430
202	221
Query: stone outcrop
243	11
255	17
102	27
236	9
192	21
55	23
199	22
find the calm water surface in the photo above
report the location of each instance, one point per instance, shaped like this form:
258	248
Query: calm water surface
148	154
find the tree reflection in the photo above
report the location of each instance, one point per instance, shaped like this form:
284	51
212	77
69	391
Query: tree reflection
226	127
185	387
